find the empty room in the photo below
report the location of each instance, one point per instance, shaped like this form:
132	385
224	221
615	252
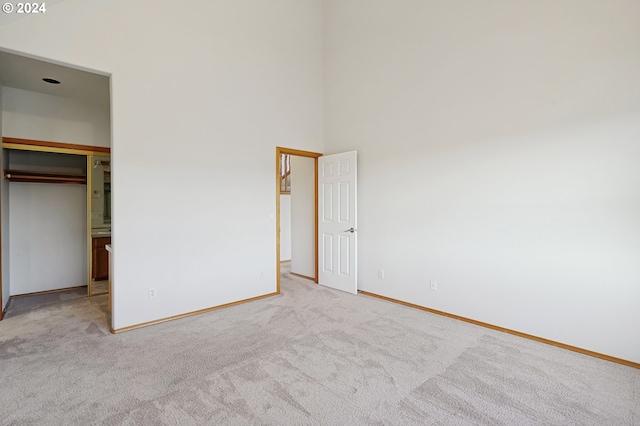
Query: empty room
477	205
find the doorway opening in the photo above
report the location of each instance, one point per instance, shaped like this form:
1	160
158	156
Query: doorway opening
297	190
52	134
334	258
46	214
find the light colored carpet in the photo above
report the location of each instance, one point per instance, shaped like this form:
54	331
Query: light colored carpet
20	304
308	356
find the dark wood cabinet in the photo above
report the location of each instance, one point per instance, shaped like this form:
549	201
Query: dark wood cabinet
100	258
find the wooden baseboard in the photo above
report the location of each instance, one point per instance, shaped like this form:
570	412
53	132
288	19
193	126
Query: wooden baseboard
509	331
304	276
188	314
57	290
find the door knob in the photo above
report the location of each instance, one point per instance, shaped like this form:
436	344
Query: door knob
350	230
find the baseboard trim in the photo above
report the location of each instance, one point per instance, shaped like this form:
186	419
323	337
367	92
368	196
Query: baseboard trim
57	290
188	314
304	276
509	331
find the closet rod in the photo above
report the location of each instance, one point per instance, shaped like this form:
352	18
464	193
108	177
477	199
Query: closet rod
36	177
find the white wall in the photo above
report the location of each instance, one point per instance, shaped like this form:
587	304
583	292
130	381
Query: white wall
303	257
48	226
201	96
30	115
48	236
498	147
285	227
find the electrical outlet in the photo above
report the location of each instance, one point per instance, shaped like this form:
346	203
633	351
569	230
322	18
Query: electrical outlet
434	285
153	293
381	273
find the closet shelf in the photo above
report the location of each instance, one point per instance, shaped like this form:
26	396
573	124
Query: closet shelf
39	177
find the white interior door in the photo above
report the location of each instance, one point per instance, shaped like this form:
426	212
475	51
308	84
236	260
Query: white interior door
337	225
